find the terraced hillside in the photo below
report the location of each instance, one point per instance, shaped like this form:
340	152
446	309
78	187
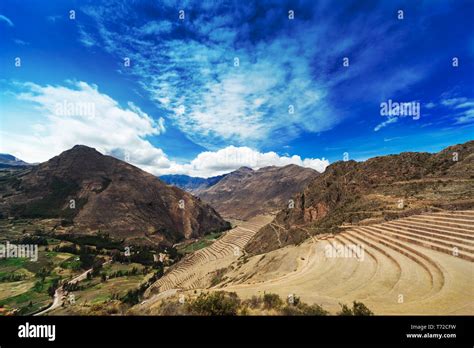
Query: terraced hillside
199	268
422	264
378	189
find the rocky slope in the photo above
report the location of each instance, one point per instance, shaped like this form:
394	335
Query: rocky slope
379	189
246	193
91	192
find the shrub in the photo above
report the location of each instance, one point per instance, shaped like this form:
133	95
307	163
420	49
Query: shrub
304	309
87	260
218	276
215	303
272	301
358	308
345	310
132	297
255	302
172	308
296	301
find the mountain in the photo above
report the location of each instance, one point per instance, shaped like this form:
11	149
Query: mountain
93	193
379	189
245	193
190	183
9	161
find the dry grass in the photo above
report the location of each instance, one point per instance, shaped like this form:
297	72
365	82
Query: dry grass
396	275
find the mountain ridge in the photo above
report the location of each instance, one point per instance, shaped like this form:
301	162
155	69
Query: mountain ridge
98	193
245	193
378	189
10	161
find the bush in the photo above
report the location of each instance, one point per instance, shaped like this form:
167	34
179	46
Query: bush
39	240
215	303
358	308
304	309
345	310
172	308
87	260
272	301
132	297
218	276
254	302
52	288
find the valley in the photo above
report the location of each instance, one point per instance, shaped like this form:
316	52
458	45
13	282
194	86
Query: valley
390	236
419	265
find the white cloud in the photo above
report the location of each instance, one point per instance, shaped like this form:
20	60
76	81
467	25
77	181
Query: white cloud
466	116
80	114
211	163
461	107
389	120
208	98
85	38
430	105
63	121
155	28
453	101
6	20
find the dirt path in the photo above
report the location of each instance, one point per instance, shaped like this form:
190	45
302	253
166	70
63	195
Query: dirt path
59	294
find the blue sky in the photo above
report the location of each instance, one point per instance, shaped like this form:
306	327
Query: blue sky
234	83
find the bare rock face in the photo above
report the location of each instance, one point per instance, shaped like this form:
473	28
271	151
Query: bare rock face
379	189
95	193
315	213
246	193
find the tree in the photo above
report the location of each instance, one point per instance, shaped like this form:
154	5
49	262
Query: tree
87	260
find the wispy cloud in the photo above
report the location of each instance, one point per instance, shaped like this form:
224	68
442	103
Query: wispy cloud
64	121
85	38
383	124
226	76
6	20
53	18
460	108
21	42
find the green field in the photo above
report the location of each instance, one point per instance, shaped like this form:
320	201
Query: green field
28	295
96	291
27	286
199	244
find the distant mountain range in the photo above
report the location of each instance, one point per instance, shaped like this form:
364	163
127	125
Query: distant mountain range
245	193
379	189
9	161
95	193
127	203
190	183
